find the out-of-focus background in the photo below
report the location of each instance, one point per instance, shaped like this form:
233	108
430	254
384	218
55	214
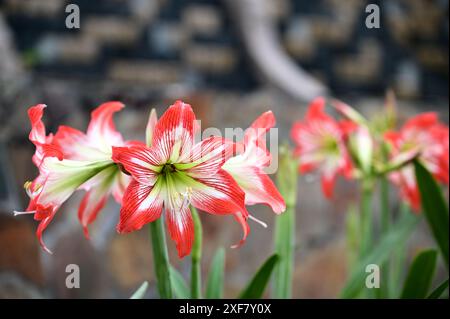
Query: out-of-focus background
232	60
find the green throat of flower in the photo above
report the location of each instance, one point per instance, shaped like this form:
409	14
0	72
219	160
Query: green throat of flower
330	145
168	169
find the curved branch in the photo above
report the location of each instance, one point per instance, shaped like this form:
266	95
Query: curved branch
263	46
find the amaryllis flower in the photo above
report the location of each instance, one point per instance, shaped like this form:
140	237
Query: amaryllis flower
72	160
425	133
247	167
320	145
174	173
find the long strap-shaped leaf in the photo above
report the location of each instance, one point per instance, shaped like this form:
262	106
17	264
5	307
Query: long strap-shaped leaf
420	275
436	293
140	292
180	288
214	286
434	208
257	285
379	254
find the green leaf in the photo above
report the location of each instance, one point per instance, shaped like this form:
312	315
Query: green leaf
436	293
434	208
398	260
180	288
140	292
257	285
420	275
214	286
284	235
379	254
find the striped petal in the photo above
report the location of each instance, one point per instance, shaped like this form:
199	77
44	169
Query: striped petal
41	227
181	229
258	188
242	220
215	194
139	161
119	186
206	157
43	143
150	128
257	131
101	131
77	146
247	168
91	204
37	133
174	133
141	204
98	189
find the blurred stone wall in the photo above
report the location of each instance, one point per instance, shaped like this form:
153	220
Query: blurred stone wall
196	43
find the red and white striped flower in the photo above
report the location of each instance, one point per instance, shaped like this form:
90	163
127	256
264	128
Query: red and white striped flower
425	133
320	145
175	172
72	160
247	167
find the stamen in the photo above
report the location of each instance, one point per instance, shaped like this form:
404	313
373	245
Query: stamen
16	213
186	197
263	224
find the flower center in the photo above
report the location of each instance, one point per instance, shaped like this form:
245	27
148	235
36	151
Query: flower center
330	145
168	168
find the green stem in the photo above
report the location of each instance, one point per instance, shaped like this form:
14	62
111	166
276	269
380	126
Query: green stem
384	193
384	291
366	217
353	236
284	237
366	226
196	255
385	209
161	258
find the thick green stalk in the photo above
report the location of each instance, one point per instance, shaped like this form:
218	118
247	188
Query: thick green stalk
384	291
385	209
161	258
353	236
196	256
384	194
366	217
284	237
